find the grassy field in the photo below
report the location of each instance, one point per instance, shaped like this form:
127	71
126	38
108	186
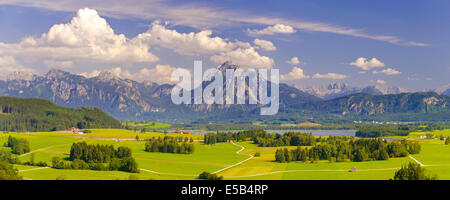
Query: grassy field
434	155
46	145
149	125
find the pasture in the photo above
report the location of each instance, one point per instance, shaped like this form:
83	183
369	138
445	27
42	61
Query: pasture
435	156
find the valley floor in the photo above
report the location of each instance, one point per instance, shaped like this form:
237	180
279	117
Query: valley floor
231	160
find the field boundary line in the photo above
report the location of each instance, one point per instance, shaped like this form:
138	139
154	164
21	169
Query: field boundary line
169	174
309	170
237	152
42	149
24	170
188	175
422	165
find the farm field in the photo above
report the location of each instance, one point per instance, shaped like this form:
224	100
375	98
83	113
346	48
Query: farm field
435	156
148	125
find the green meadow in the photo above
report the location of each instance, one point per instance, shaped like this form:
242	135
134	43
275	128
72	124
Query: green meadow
435	156
148	125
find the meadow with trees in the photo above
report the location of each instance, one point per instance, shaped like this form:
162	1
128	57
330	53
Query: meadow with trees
98	157
356	150
170	145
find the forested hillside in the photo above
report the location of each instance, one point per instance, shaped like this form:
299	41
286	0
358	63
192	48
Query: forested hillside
19	114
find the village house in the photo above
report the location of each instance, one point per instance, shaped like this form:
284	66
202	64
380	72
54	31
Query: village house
182	132
73	130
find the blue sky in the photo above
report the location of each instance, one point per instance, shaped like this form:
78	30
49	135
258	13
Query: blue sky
400	43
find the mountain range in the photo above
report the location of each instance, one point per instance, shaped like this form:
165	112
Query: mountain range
335	90
127	99
444	90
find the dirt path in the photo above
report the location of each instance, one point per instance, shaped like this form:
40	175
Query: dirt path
318	170
237	152
416	161
185	162
188	175
169	174
326	170
24	170
43	149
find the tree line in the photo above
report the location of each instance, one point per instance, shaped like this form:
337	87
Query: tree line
374	132
170	145
262	138
98	157
356	150
413	171
92	153
287	139
127	164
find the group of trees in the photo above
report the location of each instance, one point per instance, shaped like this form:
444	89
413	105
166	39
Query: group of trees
210	138
98	157
18	145
374	132
262	138
92	153
7	170
413	171
209	176
356	150
127	164
213	138
5	156
240	136
170	145
287	139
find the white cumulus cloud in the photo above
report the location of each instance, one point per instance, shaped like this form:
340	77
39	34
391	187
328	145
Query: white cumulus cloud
245	57
330	76
294	61
275	29
160	74
9	65
382	82
388	71
295	74
200	43
88	37
367	64
264	44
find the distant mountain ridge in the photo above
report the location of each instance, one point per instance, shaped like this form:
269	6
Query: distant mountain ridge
336	90
124	98
131	100
444	90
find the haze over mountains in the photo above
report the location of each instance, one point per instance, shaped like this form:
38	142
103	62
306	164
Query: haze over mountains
335	90
445	90
130	100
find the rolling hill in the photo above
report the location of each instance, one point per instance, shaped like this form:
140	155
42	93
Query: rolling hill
19	114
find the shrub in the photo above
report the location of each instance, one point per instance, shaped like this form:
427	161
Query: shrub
209	176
